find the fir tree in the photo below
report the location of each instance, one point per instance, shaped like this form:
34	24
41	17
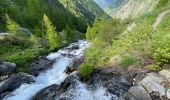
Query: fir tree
12	26
52	37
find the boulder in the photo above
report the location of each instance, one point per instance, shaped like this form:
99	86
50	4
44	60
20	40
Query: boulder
56	92
7	68
77	62
48	93
168	93
165	73
40	65
114	82
156	85
137	93
15	81
69	70
24	31
73	47
153	82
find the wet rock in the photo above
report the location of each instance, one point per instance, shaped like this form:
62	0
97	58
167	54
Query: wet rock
40	65
55	92
69	70
48	93
7	68
69	81
115	82
2	78
77	62
14	82
73	47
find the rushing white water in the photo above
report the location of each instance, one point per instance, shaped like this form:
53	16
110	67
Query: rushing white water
56	75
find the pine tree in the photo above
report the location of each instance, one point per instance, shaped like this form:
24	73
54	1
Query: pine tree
12	26
88	33
52	37
92	32
71	36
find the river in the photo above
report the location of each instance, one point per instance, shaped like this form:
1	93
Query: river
63	58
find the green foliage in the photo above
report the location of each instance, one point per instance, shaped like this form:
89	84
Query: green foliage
86	70
162	3
101	35
29	14
128	61
160	43
111	38
92	32
21	51
51	35
12	26
154	67
70	34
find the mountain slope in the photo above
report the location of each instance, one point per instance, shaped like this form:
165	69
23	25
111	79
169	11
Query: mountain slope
86	9
125	8
29	13
110	6
135	7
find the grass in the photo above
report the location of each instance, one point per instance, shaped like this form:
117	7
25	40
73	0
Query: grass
128	61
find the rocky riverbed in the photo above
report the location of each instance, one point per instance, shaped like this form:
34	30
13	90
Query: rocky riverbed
56	77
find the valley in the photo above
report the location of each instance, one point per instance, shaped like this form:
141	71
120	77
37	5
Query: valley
84	50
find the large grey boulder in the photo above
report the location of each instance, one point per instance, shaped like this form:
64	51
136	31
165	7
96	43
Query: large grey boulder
137	93
40	65
156	85
7	68
153	82
14	82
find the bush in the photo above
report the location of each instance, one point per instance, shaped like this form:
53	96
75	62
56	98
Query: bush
86	70
154	67
128	61
162	3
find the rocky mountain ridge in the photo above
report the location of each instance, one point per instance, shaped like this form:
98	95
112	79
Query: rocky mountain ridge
125	8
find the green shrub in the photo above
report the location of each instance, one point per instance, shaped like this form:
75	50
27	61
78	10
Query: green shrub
128	61
154	67
162	3
86	70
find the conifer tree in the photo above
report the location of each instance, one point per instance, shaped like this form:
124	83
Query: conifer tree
12	26
92	32
52	37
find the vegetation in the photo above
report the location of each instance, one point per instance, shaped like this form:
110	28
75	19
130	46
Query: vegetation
86	70
128	61
46	30
131	39
51	35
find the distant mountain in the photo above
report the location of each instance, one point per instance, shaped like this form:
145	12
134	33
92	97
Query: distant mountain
125	8
110	6
86	9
